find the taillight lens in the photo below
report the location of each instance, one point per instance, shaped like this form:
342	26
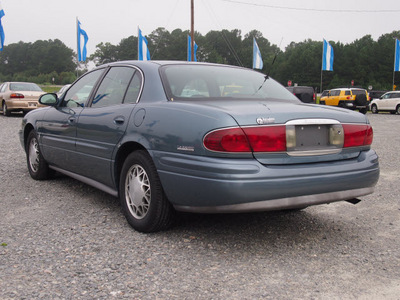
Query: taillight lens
357	135
227	140
267	139
256	139
16	96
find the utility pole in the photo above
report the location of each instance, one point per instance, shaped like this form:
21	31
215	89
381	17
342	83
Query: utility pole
192	30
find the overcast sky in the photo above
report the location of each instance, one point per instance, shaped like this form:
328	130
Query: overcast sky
111	21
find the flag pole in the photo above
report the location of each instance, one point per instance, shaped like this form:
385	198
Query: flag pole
394	63
322	65
77	47
192	30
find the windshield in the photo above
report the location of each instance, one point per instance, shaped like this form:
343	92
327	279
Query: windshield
191	82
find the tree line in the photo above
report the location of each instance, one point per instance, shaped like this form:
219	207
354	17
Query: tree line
365	61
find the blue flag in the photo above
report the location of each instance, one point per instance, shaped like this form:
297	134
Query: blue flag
1	29
143	50
82	52
257	60
327	57
397	56
189	49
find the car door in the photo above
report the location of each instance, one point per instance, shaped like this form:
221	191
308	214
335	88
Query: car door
103	123
384	102
393	101
57	130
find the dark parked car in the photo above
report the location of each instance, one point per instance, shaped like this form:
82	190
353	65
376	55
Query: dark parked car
197	137
306	94
375	94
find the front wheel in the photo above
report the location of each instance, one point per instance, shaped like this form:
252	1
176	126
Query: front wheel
143	200
37	166
398	109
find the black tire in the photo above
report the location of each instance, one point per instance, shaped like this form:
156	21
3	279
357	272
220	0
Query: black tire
142	197
363	110
37	166
398	109
6	112
374	109
361	100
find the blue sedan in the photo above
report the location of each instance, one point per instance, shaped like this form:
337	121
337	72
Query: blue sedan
197	137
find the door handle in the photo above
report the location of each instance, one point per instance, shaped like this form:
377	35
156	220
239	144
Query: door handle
119	120
71	120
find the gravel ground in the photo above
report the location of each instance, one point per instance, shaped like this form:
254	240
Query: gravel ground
61	239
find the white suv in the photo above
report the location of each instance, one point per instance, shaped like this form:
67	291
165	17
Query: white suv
389	101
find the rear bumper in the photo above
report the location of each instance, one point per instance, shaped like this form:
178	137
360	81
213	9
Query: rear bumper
23	105
200	184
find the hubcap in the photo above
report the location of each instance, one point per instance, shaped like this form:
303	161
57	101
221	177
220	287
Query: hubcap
33	155
137	191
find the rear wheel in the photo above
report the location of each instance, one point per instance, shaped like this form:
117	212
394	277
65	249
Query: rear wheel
37	166
363	110
374	109
143	200
6	112
361	100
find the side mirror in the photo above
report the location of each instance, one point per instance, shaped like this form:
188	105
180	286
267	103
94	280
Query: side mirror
49	99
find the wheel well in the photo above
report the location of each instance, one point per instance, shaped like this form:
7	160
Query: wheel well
28	128
122	154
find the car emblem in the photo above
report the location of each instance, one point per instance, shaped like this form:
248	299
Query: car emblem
262	121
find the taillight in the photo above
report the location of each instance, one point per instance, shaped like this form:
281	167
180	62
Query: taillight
357	135
267	139
227	140
282	138
256	139
16	96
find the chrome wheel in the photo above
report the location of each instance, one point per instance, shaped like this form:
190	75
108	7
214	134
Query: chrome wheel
137	191
33	155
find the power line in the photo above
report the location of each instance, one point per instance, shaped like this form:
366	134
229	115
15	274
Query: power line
315	9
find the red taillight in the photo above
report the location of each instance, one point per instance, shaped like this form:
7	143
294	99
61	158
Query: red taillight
227	140
313	97
16	96
257	139
357	135
267	139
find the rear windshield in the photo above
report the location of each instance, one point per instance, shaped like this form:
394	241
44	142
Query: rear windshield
358	92
25	86
195	81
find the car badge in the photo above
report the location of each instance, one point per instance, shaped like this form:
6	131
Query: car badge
262	121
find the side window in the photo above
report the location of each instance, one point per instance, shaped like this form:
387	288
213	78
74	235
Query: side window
3	87
113	87
133	91
78	94
347	93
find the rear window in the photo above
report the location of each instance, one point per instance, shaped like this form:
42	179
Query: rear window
195	81
25	86
358	92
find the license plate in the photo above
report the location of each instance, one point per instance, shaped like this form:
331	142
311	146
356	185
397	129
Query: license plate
311	138
32	104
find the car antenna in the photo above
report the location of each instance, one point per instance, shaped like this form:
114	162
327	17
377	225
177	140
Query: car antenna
273	61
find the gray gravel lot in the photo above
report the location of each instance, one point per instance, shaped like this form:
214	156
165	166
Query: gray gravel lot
61	239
